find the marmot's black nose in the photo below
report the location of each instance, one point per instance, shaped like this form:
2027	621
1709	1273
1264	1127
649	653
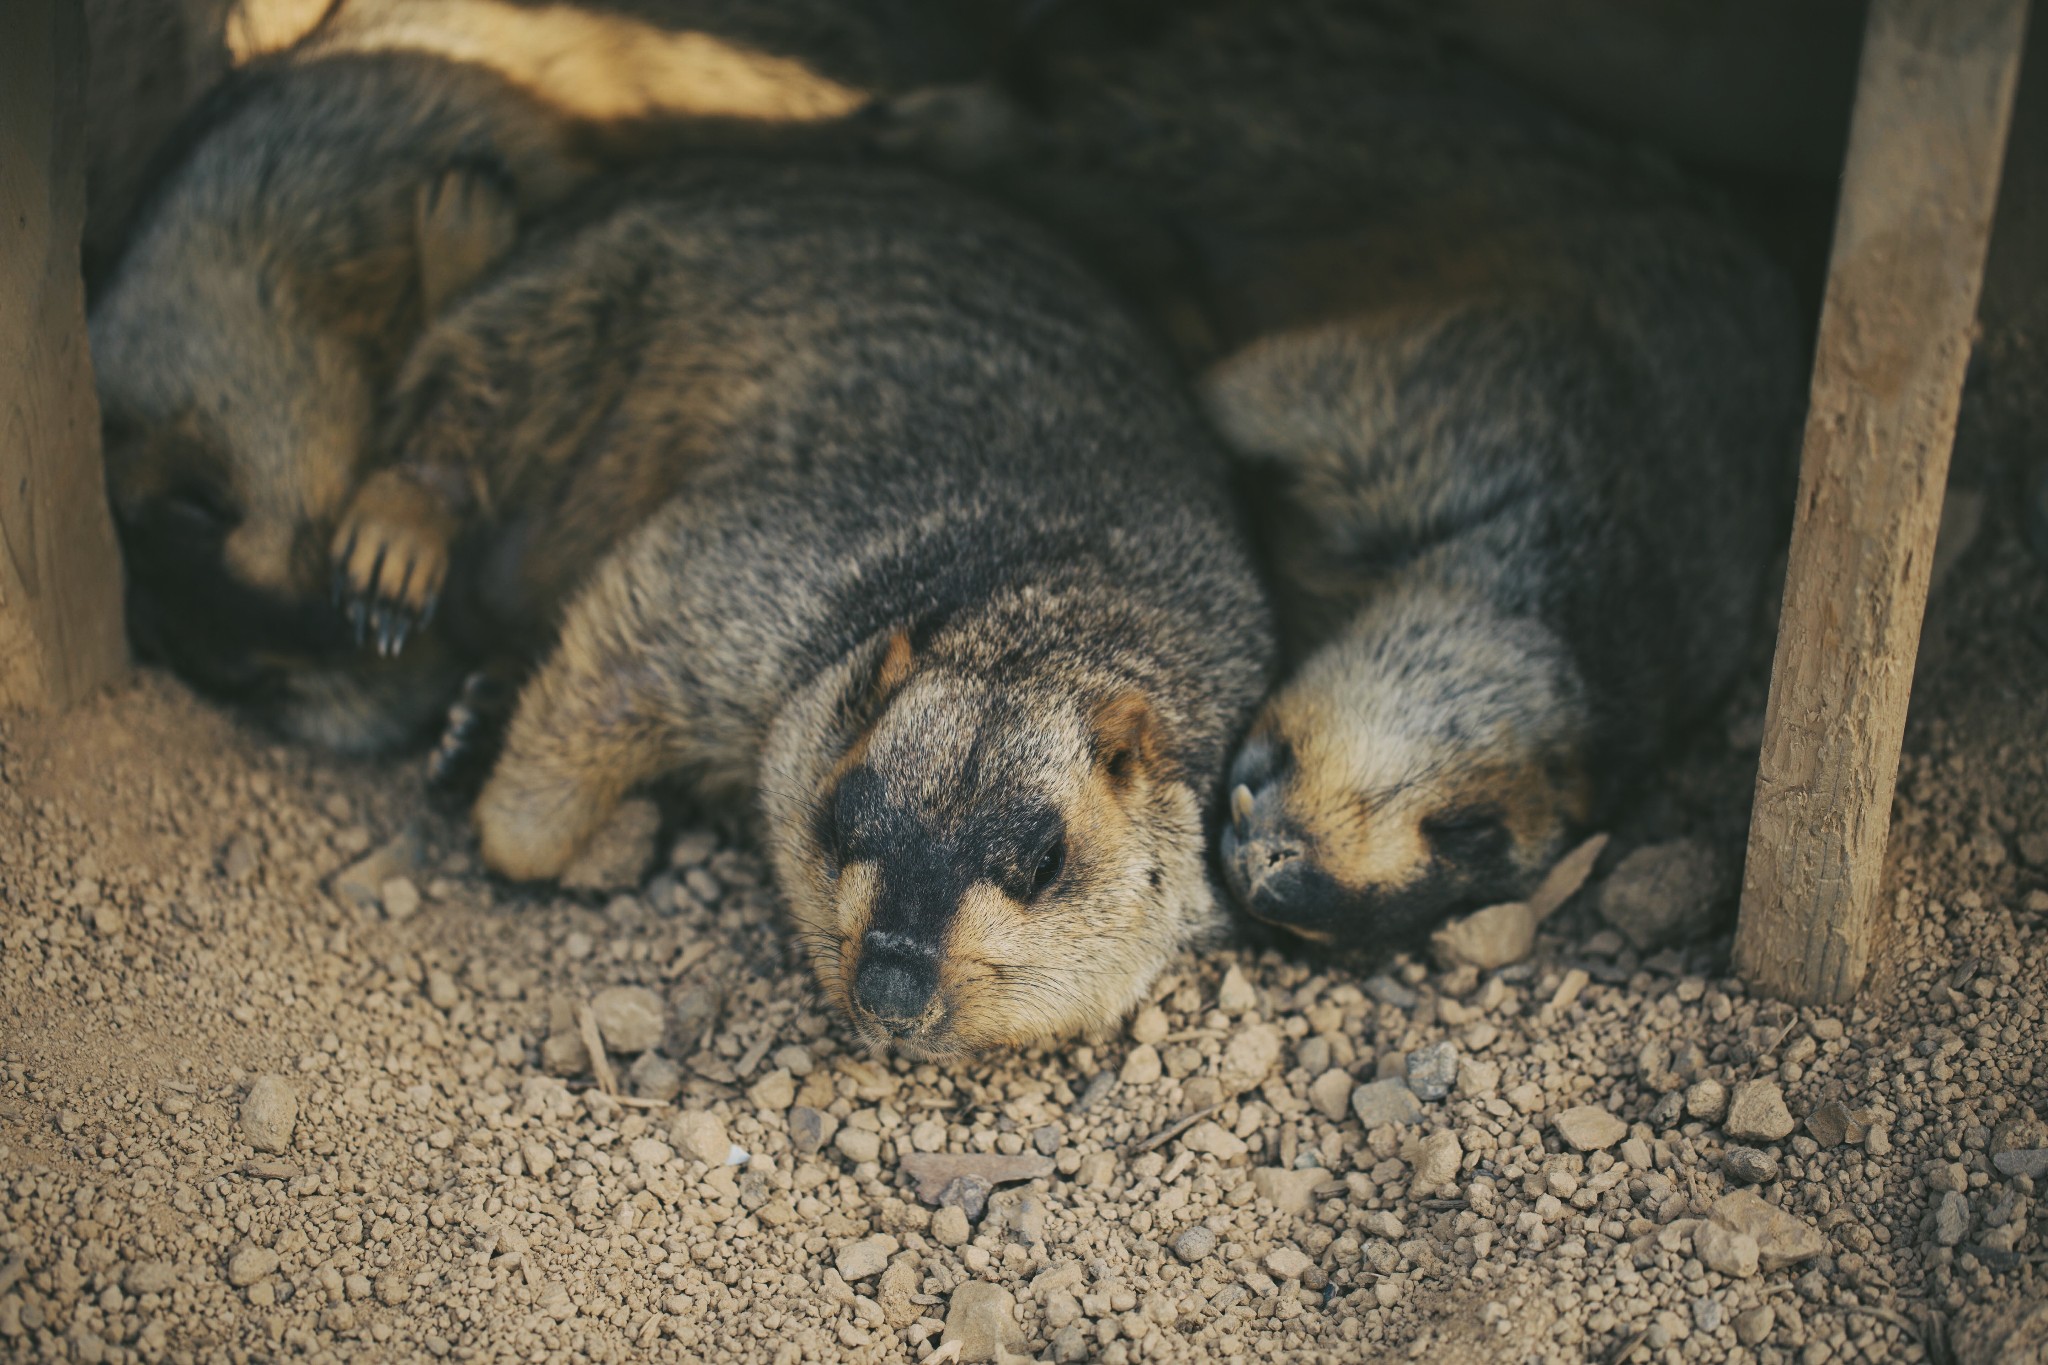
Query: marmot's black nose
893	984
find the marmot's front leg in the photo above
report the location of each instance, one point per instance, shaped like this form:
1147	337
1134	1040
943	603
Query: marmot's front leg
590	726
391	554
474	733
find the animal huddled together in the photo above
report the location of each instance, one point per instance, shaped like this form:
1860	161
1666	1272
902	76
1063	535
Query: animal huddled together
1244	460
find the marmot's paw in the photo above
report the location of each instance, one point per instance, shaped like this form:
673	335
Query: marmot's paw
390	559
530	827
475	732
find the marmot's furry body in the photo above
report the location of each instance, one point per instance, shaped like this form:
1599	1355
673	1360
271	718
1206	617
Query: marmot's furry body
275	278
307	222
765	63
1514	404
950	581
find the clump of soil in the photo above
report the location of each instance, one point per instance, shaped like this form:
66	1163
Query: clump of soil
281	1075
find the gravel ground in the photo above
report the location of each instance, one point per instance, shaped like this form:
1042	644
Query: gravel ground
282	1076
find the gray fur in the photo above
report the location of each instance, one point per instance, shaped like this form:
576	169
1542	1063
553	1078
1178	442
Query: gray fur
274	280
940	507
1514	403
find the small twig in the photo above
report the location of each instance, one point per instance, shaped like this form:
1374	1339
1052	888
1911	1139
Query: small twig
1173	1130
1628	1348
1898	1320
593	1043
690	957
751	1058
640	1102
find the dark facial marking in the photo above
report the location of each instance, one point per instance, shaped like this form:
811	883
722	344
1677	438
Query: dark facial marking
1467	837
922	871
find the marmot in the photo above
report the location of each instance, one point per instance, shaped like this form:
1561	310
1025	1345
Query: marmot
1514	405
952	585
307	221
769	63
313	217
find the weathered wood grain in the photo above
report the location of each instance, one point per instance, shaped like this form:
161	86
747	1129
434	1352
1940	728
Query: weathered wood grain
1934	99
60	572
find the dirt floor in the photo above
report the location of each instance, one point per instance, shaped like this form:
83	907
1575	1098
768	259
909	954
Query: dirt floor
281	1076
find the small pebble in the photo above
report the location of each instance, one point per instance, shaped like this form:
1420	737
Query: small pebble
1141	1066
1194	1243
629	1018
1433	1070
982	1317
249	1265
810	1129
1236	995
1437	1161
858	1144
655	1077
950	1227
269	1113
1149	1026
1757	1113
1951	1219
1662	893
869	1256
967	1193
1589	1128
1378	1103
1214	1139
1725	1251
1287	1263
150	1277
399	897
1749	1166
701	1136
1331	1094
1706	1101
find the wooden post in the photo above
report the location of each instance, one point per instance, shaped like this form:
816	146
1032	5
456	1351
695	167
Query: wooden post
60	571
1933	101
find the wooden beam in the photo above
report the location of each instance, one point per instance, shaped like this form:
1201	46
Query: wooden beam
1933	101
60	572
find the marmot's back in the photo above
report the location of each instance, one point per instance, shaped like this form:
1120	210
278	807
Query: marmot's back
947	577
1517	400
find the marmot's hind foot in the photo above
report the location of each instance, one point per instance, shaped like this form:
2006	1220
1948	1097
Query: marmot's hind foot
390	559
470	742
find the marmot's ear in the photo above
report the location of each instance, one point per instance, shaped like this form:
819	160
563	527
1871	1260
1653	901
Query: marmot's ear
465	221
882	666
1127	740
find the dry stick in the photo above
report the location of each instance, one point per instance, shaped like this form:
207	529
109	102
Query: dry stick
1933	101
1173	1130
1628	1348
593	1043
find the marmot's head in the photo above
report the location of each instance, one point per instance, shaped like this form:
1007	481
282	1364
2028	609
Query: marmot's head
271	284
988	863
1426	762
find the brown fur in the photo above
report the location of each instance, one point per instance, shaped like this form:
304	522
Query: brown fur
999	614
1513	404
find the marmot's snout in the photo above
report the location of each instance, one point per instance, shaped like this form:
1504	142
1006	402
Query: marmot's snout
1267	856
896	982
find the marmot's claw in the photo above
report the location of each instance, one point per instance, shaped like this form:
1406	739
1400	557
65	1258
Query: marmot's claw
469	743
390	561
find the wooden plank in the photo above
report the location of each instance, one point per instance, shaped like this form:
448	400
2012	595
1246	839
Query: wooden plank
60	572
1933	101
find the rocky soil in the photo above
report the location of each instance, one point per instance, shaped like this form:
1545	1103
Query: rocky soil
281	1076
